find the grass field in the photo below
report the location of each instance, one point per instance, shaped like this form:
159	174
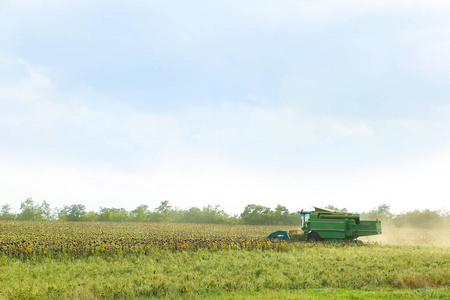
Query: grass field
142	260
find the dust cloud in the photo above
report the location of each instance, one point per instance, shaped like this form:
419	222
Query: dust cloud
411	236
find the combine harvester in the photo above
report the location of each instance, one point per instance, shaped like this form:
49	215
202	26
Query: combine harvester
328	225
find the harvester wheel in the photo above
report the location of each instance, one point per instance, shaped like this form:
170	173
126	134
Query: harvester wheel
313	237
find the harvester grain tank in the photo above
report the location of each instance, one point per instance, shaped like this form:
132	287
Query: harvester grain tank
324	224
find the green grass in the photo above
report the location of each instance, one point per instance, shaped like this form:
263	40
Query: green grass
341	293
304	271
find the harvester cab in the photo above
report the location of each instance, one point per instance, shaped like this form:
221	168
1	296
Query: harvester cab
305	215
324	224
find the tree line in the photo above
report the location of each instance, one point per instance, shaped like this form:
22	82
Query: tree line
252	214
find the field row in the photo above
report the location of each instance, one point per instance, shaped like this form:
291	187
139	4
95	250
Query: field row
30	239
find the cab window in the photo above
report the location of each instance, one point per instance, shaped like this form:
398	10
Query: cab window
305	219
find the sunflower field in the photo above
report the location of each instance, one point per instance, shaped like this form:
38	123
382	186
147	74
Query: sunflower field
81	239
102	260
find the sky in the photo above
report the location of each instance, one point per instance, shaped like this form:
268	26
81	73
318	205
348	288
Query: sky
230	103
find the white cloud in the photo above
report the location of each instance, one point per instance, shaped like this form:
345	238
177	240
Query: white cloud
49	117
26	89
428	49
176	158
444	110
352	130
33	4
300	11
32	106
238	121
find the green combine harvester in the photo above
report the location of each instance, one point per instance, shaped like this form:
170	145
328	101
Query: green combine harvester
328	225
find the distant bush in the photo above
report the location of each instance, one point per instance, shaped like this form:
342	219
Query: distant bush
421	219
253	214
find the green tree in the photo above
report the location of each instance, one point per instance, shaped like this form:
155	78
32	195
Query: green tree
61	213
279	214
192	215
113	215
420	219
282	216
256	215
164	207
164	212
44	212
332	207
384	210
5	213
381	212
76	212
91	216
140	214
213	215
28	210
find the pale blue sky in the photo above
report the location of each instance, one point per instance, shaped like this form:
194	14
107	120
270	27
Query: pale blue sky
300	103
